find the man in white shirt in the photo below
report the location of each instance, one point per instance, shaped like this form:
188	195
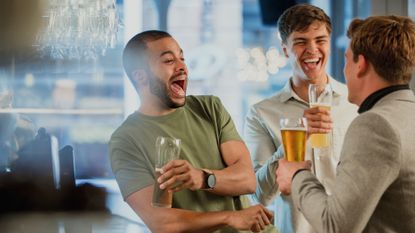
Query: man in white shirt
305	34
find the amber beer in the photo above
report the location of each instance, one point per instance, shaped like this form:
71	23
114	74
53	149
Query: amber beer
161	197
294	141
320	140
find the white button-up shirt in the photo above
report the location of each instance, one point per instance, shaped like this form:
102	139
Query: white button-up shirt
263	138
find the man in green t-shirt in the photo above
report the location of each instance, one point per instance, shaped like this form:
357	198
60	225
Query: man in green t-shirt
211	148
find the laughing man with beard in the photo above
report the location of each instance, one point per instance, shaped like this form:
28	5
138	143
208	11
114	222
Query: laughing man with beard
210	147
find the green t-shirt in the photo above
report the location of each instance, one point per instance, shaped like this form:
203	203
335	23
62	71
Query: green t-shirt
202	125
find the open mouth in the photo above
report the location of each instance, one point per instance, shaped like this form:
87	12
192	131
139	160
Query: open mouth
180	83
312	63
177	87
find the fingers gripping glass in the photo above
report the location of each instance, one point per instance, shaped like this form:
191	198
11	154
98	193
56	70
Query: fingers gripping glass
320	95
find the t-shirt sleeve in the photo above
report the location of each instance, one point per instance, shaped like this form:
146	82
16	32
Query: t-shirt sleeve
226	127
130	166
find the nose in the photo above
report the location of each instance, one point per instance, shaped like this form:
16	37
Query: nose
311	48
181	66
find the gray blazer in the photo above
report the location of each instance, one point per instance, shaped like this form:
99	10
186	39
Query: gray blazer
374	189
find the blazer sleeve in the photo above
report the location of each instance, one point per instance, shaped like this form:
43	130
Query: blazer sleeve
369	163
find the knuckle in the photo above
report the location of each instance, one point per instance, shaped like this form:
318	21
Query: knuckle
161	178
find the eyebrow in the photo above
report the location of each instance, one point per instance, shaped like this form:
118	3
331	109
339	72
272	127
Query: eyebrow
318	37
170	52
322	37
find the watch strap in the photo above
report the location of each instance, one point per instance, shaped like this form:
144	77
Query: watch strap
207	173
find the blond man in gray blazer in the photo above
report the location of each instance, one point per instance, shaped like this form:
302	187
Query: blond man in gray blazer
374	189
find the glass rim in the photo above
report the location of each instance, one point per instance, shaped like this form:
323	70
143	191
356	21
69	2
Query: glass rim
298	123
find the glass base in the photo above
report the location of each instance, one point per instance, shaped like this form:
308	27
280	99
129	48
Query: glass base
162	205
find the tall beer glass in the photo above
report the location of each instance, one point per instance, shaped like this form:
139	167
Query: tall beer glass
293	132
320	95
167	149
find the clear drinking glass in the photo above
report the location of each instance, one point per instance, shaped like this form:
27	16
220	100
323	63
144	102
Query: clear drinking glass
294	135
320	95
167	149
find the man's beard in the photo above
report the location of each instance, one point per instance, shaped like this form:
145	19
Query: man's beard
158	88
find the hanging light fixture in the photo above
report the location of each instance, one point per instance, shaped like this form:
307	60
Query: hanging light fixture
79	29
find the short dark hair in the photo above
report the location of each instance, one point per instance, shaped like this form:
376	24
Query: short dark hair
388	43
134	55
299	17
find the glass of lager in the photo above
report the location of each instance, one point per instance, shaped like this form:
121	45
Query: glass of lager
320	95
293	132
167	149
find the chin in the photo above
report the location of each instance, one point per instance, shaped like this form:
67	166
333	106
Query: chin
351	100
177	103
317	76
310	78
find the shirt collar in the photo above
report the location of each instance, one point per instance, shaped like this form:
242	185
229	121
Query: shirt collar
287	92
373	98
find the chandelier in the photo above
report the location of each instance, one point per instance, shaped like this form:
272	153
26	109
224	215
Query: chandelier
78	29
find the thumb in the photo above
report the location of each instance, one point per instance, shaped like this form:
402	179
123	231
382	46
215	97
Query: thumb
307	164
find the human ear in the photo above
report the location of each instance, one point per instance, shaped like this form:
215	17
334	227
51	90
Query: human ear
362	65
284	49
139	78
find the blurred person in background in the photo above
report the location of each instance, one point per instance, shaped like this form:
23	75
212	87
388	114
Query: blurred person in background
15	131
214	170
20	21
375	181
305	35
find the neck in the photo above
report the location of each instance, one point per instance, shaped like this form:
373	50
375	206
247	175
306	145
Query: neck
152	107
371	85
300	86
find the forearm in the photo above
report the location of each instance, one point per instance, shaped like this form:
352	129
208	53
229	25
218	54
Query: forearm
173	219
238	176
235	180
267	188
178	220
315	204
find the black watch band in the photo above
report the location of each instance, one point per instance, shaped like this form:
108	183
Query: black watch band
209	179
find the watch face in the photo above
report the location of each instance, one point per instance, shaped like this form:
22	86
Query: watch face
211	181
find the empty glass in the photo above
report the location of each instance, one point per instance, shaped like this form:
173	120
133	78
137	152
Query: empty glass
167	149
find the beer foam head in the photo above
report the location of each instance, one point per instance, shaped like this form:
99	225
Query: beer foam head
316	104
295	129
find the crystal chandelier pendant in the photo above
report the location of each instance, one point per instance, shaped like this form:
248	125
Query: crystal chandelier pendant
79	29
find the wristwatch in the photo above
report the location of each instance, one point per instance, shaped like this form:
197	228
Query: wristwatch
210	179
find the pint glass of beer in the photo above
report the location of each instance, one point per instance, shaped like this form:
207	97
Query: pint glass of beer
320	95
167	149
293	132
